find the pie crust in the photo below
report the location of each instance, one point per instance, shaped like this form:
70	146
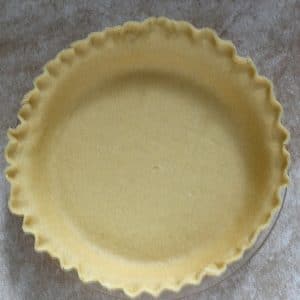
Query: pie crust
147	156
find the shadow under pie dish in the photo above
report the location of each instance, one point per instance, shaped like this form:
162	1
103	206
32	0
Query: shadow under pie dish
147	156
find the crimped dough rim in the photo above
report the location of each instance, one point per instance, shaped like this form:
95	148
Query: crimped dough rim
63	60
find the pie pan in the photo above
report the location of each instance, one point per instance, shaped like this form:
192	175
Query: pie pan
147	156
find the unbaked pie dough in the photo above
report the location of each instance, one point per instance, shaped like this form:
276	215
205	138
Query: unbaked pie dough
148	156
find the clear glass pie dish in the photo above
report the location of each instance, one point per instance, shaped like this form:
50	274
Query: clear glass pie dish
148	157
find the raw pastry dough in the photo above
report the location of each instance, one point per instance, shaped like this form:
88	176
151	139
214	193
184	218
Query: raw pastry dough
148	156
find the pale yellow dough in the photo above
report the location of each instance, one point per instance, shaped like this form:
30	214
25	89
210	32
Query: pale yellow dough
148	156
